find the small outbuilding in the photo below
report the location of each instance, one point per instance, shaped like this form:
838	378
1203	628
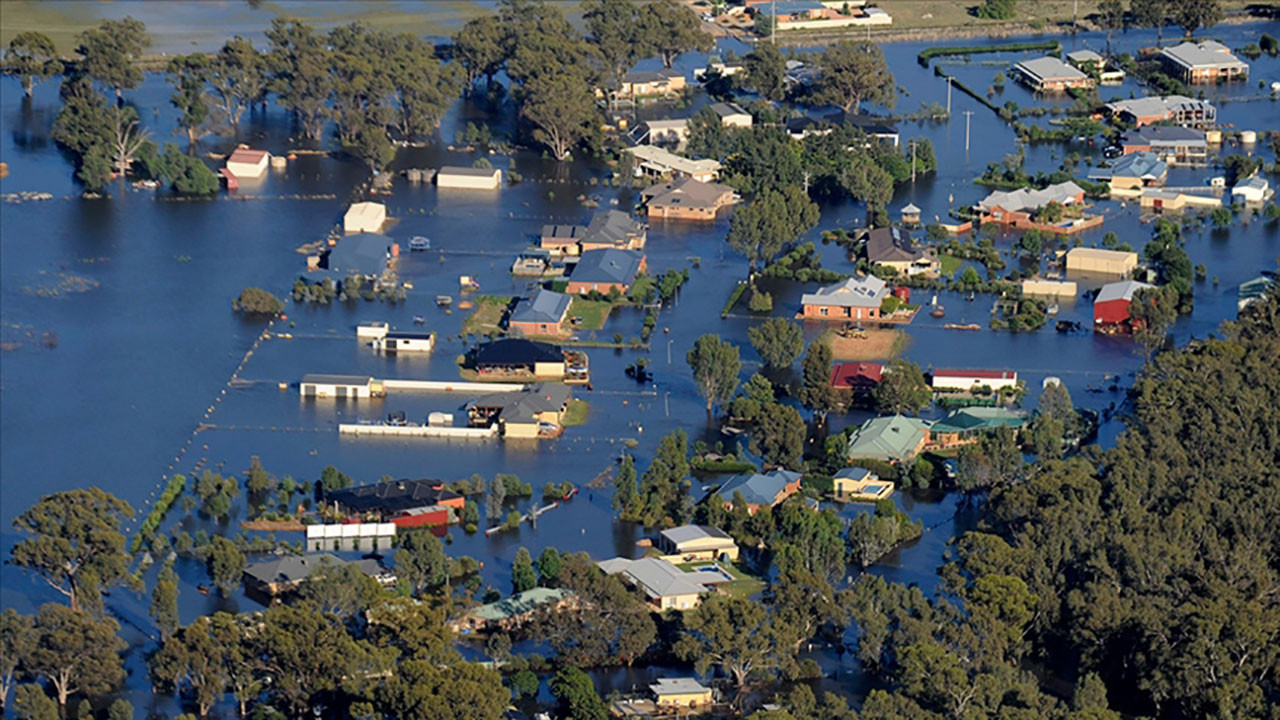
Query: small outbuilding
355	387
248	164
1251	190
469	178
910	214
966	380
1102	262
1111	307
364	217
855	483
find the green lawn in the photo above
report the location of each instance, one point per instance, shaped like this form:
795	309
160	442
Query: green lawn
592	312
743	585
577	413
640	287
950	264
486	316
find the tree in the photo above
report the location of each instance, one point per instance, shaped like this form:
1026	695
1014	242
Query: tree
853	71
523	576
997	9
17	640
481	48
577	695
1191	15
761	229
188	74
901	389
31	702
730	633
120	709
779	435
300	65
816	392
1153	14
225	563
259	482
238	75
305	654
332	479
671	28
778	340
75	652
374	148
1151	314
497	496
164	601
109	52
663	488
421	561
549	564
1111	17
76	531
422	87
766	71
615	30
866	180
715	366
194	661
562	112
457	691
127	139
33	57
340	589
624	485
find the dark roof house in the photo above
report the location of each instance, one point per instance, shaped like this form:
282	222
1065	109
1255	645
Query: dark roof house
360	254
514	351
612	227
608	266
891	245
545	307
392	497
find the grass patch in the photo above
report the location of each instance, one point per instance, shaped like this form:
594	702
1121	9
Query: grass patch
485	319
950	264
576	413
733	298
640	288
592	312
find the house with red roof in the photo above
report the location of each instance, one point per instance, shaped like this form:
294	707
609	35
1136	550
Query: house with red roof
859	377
948	379
248	164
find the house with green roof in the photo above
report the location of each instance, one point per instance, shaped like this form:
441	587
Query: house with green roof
890	439
966	424
514	611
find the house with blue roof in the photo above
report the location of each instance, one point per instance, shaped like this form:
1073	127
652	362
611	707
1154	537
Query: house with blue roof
363	254
1136	170
605	271
541	314
761	489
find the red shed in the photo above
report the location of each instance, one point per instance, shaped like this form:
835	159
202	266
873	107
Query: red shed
422	517
1111	307
903	293
232	183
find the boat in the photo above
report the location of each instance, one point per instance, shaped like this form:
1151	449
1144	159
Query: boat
966	326
1052	309
937	311
971	297
444	300
418	242
419	320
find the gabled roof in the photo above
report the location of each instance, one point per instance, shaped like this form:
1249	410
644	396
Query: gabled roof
1207	54
677	686
516	351
1025	199
1123	290
247	155
392	496
910	208
685	192
608	265
685	533
524	405
758	488
295	568
887	438
521	603
891	244
1255	183
562	232
1083	56
727	109
854	473
851	374
648	76
613	227
1160	105
979	418
544	307
360	253
1049	68
1164	134
865	291
1145	165
659	578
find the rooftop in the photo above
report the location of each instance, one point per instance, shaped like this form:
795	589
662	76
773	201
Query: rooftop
1206	54
612	227
685	192
1025	199
979	418
848	375
1164	134
360	253
1049	68
323	379
685	533
524	405
677	686
544	307
562	232
865	291
468	171
521	603
892	437
393	496
648	76
891	245
515	351
664	160
294	568
726	109
1083	56
986	374
659	578
1160	105
1145	165
247	155
1102	254
608	265
1123	290
758	488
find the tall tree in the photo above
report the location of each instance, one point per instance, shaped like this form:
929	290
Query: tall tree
761	229
421	561
731	633
562	111
456	691
17	641
33	57
189	74
624	485
715	366
422	87
109	52
901	389
76	652
1153	14
340	589
663	488
853	71
1111	18
523	576
766	71
300	73
778	436
1191	15
305	654
74	532
615	29
33	703
128	139
193	662
816	392
778	340
1152	314
238	75
549	564
671	28
577	695
225	563
481	47
164	601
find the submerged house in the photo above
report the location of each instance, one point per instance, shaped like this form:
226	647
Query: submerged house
606	271
969	380
686	199
893	248
1203	62
363	254
1134	171
857	298
666	586
1101	262
655	161
692	543
890	439
355	387
761	489
1111	307
535	412
469	178
1051	74
513	612
541	314
964	425
1020	208
517	357
1177	109
1171	144
364	217
248	164
395	499
858	377
273	578
613	229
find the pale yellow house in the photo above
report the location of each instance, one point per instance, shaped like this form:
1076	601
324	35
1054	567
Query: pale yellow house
1096	260
860	484
666	586
680	693
696	543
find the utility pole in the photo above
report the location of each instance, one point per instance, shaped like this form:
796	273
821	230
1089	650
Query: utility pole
967	113
913	160
948	96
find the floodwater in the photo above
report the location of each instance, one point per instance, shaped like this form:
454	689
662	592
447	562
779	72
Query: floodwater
137	386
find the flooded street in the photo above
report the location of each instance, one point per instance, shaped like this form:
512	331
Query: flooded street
137	290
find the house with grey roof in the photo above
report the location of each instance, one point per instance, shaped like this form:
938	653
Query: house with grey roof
1021	208
268	580
1178	109
361	254
891	439
666	586
613	229
731	114
606	271
696	542
686	199
541	314
1136	170
893	247
1172	144
857	298
1254	189
1048	73
1203	62
530	413
760	489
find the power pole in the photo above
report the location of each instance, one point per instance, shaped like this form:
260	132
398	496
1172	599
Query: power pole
948	96
913	160
967	113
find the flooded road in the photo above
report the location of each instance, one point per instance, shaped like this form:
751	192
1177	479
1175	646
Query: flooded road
138	290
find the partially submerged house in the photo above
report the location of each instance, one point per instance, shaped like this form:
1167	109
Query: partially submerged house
1095	65
517	358
1133	171
537	411
694	543
965	425
970	380
666	586
353	537
1251	190
606	271
541	314
384	339
394	499
247	163
890	439
1252	291
513	612
1048	74
363	254
671	132
855	483
1021	208
894	248
858	377
364	217
613	229
1177	109
468	178
355	387
686	199
857	298
269	580
561	239
1111	307
761	489
1097	261
658	162
1171	143
1203	62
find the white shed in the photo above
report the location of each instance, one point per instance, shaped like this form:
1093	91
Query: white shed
364	217
469	178
247	163
1253	190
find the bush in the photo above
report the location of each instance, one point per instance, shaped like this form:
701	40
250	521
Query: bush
997	9
760	302
257	301
152	521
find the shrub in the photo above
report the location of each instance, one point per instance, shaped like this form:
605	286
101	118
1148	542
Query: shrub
257	301
760	302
